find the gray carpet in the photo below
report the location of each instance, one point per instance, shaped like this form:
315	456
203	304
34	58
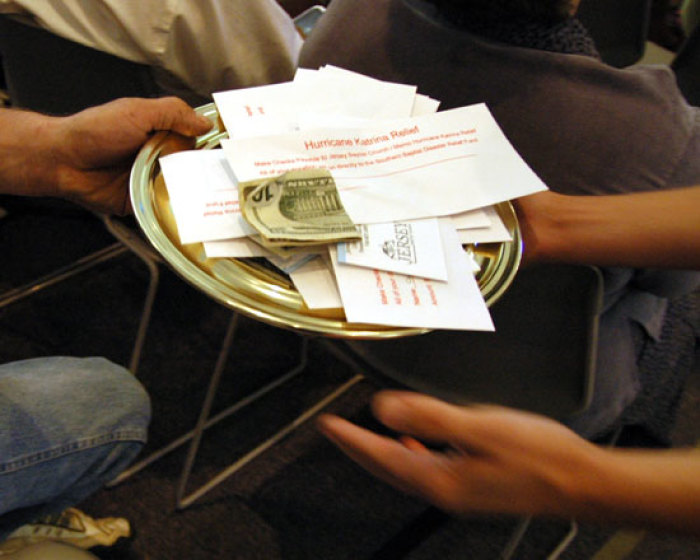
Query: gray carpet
301	499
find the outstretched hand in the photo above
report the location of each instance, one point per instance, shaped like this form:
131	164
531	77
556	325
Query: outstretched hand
94	150
492	459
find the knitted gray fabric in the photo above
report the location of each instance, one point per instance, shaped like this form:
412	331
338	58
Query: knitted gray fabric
567	37
664	366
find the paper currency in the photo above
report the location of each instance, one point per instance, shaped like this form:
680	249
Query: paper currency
298	208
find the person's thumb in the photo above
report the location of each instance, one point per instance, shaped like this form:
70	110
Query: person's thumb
174	114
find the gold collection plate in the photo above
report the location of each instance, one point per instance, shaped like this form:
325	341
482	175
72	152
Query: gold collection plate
249	287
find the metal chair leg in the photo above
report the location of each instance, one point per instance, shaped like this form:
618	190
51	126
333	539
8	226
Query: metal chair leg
521	528
63	273
565	542
132	240
127	240
183	500
175	444
206	409
145	317
515	538
183	439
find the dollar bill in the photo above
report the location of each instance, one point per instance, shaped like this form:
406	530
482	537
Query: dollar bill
301	207
288	250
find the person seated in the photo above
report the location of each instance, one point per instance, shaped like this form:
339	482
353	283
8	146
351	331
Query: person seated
583	126
192	48
70	425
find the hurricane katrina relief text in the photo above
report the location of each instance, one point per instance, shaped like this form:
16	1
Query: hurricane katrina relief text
354	152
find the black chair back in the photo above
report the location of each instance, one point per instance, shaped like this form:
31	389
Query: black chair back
540	358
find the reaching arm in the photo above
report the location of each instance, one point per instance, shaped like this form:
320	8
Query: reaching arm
653	229
501	460
86	157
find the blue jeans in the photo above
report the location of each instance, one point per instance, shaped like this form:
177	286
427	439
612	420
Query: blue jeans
67	427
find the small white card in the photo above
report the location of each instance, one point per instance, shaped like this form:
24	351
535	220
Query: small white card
495	232
413	248
316	284
203	196
387	298
239	248
471	219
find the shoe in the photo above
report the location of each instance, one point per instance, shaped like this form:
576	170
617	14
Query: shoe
72	526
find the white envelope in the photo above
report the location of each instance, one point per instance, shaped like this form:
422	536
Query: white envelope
495	232
240	248
335	91
274	109
203	196
387	298
413	248
259	110
316	284
471	219
422	105
433	165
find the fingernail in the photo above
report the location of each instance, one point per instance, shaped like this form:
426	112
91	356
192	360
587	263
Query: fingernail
324	424
322	420
204	121
388	406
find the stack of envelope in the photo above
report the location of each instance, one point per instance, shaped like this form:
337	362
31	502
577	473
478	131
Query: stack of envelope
418	183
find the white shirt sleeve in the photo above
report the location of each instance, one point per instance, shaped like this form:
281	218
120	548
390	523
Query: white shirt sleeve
210	45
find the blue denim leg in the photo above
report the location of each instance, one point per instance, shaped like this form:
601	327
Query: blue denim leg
67	427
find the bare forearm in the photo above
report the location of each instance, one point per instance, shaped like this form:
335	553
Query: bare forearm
658	229
647	489
27	155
